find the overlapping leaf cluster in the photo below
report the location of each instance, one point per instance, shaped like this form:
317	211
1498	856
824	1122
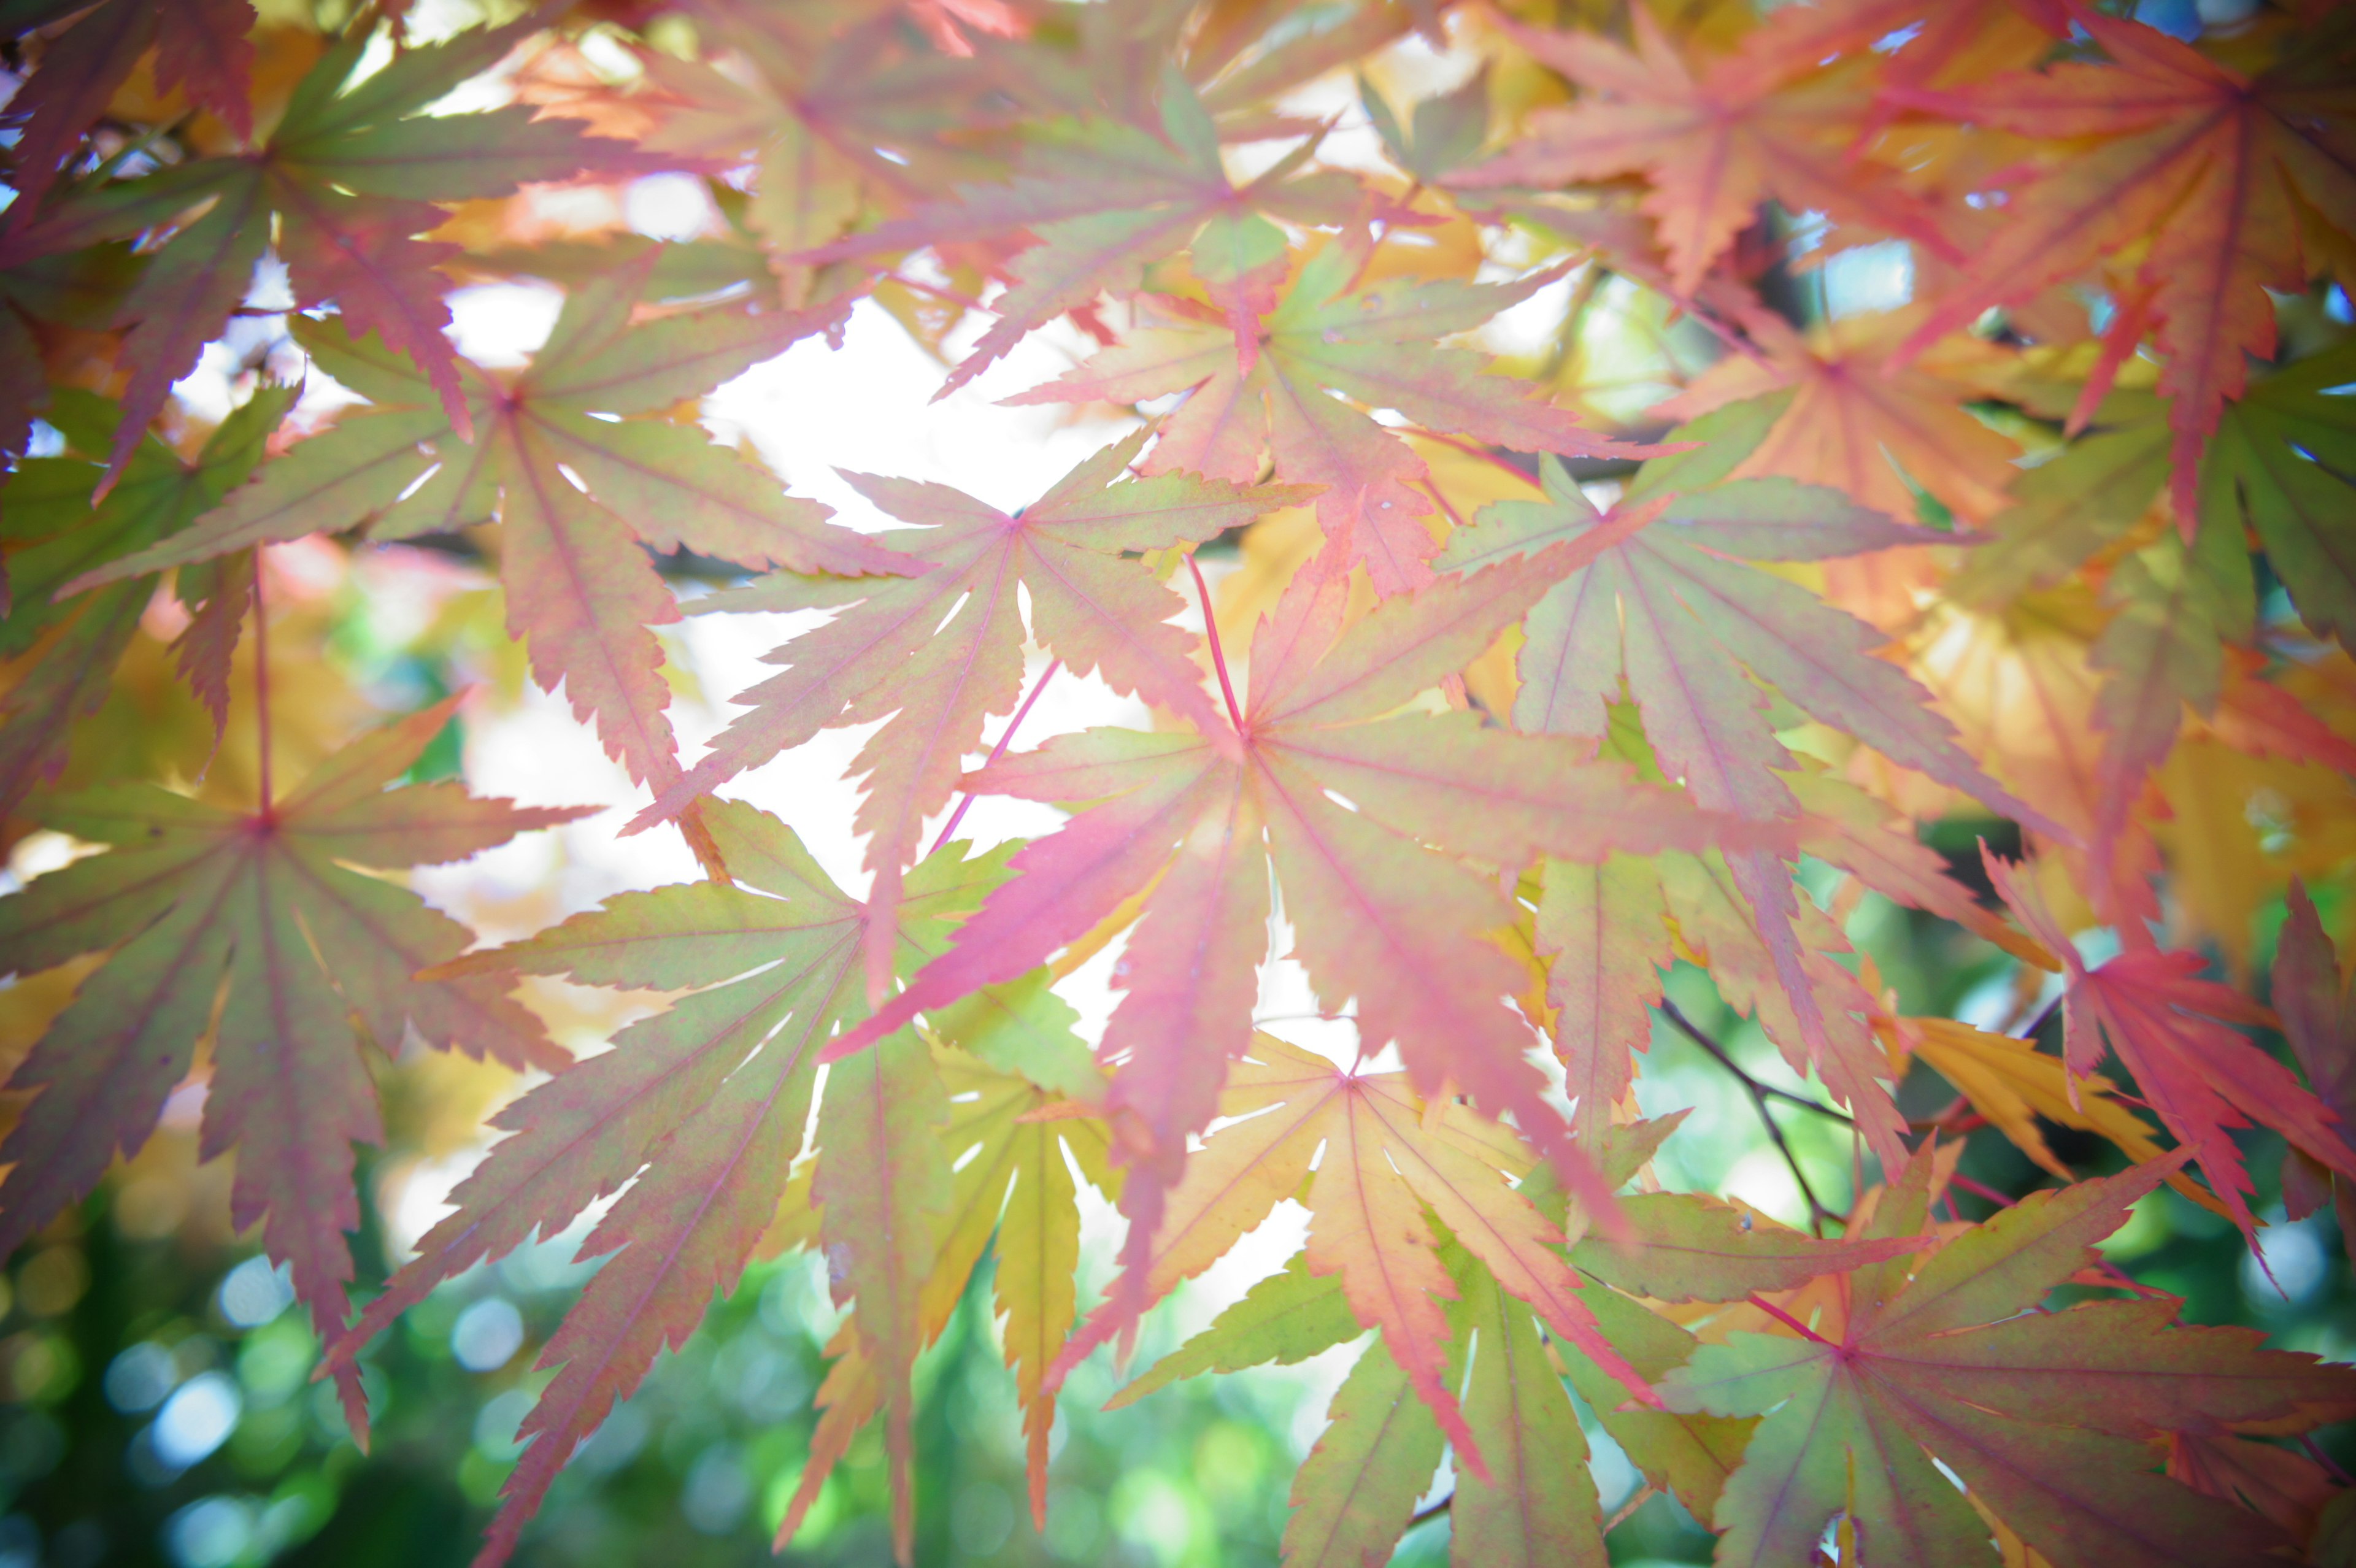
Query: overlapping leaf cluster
1525	689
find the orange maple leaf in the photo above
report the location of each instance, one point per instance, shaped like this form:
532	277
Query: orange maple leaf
1878	429
1715	143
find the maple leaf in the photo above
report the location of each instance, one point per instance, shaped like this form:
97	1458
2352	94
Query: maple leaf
2017	683
246	929
2263	745
1883	432
2218	171
2013	1083
2169	1030
46	299
2177	608
2069	508
200	48
2318	1018
1293	1314
2174	611
2174	608
1537	1505
1104	199
1847	827
1354	1494
1002	1158
1386	1158
1687	1455
2285	1487
830	119
1249	56
1010	1173
942	650
1605	931
1670	605
55	534
1444	133
1920	39
2282	459
1689	1246
1714	144
2277	465
883	1185
1672	558
578	587
1856	423
704	1105
1286	1317
1371	342
353	171
2044	1416
1191	825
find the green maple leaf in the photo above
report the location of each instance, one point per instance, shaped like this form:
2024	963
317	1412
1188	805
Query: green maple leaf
55	535
579	588
1525	1497
255	913
2284	457
83	290
2283	461
355	168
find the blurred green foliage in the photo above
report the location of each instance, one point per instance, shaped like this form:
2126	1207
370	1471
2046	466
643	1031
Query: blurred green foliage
160	1409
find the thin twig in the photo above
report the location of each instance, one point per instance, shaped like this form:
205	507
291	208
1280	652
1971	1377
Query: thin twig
1434	1511
965	302
2314	1451
997	752
1218	657
1980	1189
1636	1500
2044	1013
1695	311
1574	319
1817	1212
1784	1094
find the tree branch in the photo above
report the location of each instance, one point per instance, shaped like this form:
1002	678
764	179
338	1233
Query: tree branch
1759	1093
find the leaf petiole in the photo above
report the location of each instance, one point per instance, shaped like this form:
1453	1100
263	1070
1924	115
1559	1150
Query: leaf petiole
1218	657
262	691
966	800
1785	1318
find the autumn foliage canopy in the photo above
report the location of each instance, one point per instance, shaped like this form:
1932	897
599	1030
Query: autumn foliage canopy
1514	693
